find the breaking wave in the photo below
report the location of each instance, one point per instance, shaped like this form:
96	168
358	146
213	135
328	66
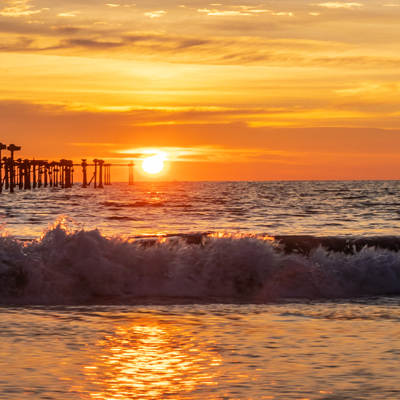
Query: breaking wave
73	266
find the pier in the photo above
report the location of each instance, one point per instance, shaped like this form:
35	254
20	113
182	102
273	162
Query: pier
31	174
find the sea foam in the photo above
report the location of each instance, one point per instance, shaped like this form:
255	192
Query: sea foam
73	266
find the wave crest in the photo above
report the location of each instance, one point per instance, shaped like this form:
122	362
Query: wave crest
73	266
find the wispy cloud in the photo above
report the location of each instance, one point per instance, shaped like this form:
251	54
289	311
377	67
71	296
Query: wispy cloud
336	4
22	43
212	153
226	51
283	13
155	14
222	13
94	44
19	8
67	14
242	11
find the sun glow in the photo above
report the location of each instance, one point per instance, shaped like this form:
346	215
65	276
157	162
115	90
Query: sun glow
154	164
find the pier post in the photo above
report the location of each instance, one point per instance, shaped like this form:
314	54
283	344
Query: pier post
12	148
27	171
95	172
84	172
2	147
62	173
51	173
40	173
6	172
46	170
131	177
101	163
67	174
56	170
21	174
107	174
33	174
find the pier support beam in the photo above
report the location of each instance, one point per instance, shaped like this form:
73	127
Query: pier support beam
2	147
101	163
107	174
96	161
27	173
131	177
12	148
6	173
84	173
21	174
33	176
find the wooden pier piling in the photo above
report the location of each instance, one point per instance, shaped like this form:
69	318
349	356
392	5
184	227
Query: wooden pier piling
2	147
12	148
84	173
131	177
101	163
96	161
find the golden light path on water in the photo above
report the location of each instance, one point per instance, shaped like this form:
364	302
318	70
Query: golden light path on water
298	350
153	361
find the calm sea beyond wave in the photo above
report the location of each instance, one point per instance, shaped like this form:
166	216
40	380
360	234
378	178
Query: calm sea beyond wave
201	290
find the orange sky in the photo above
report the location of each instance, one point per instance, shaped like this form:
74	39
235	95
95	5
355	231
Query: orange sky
231	91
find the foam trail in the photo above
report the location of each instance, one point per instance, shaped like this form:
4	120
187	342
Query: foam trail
78	266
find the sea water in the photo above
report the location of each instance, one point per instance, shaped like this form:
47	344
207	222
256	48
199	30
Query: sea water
201	290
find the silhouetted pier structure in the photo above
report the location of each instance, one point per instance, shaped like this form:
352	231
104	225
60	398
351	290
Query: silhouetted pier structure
31	174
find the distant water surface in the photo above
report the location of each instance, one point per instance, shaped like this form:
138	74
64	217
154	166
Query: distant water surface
343	208
89	309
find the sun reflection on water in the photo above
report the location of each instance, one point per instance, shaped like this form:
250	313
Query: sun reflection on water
153	361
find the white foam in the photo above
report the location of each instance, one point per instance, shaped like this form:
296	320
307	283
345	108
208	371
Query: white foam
73	266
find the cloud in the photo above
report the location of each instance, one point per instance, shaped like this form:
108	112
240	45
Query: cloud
222	13
337	4
211	153
155	14
67	15
371	90
203	50
283	13
244	11
22	43
112	5
94	44
19	8
66	29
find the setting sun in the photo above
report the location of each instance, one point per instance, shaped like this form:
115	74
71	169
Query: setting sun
153	164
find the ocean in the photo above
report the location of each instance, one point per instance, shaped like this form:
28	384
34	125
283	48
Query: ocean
201	290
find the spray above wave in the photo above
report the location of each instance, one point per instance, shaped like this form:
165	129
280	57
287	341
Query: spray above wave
72	266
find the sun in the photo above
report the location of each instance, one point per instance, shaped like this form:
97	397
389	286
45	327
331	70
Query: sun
153	164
